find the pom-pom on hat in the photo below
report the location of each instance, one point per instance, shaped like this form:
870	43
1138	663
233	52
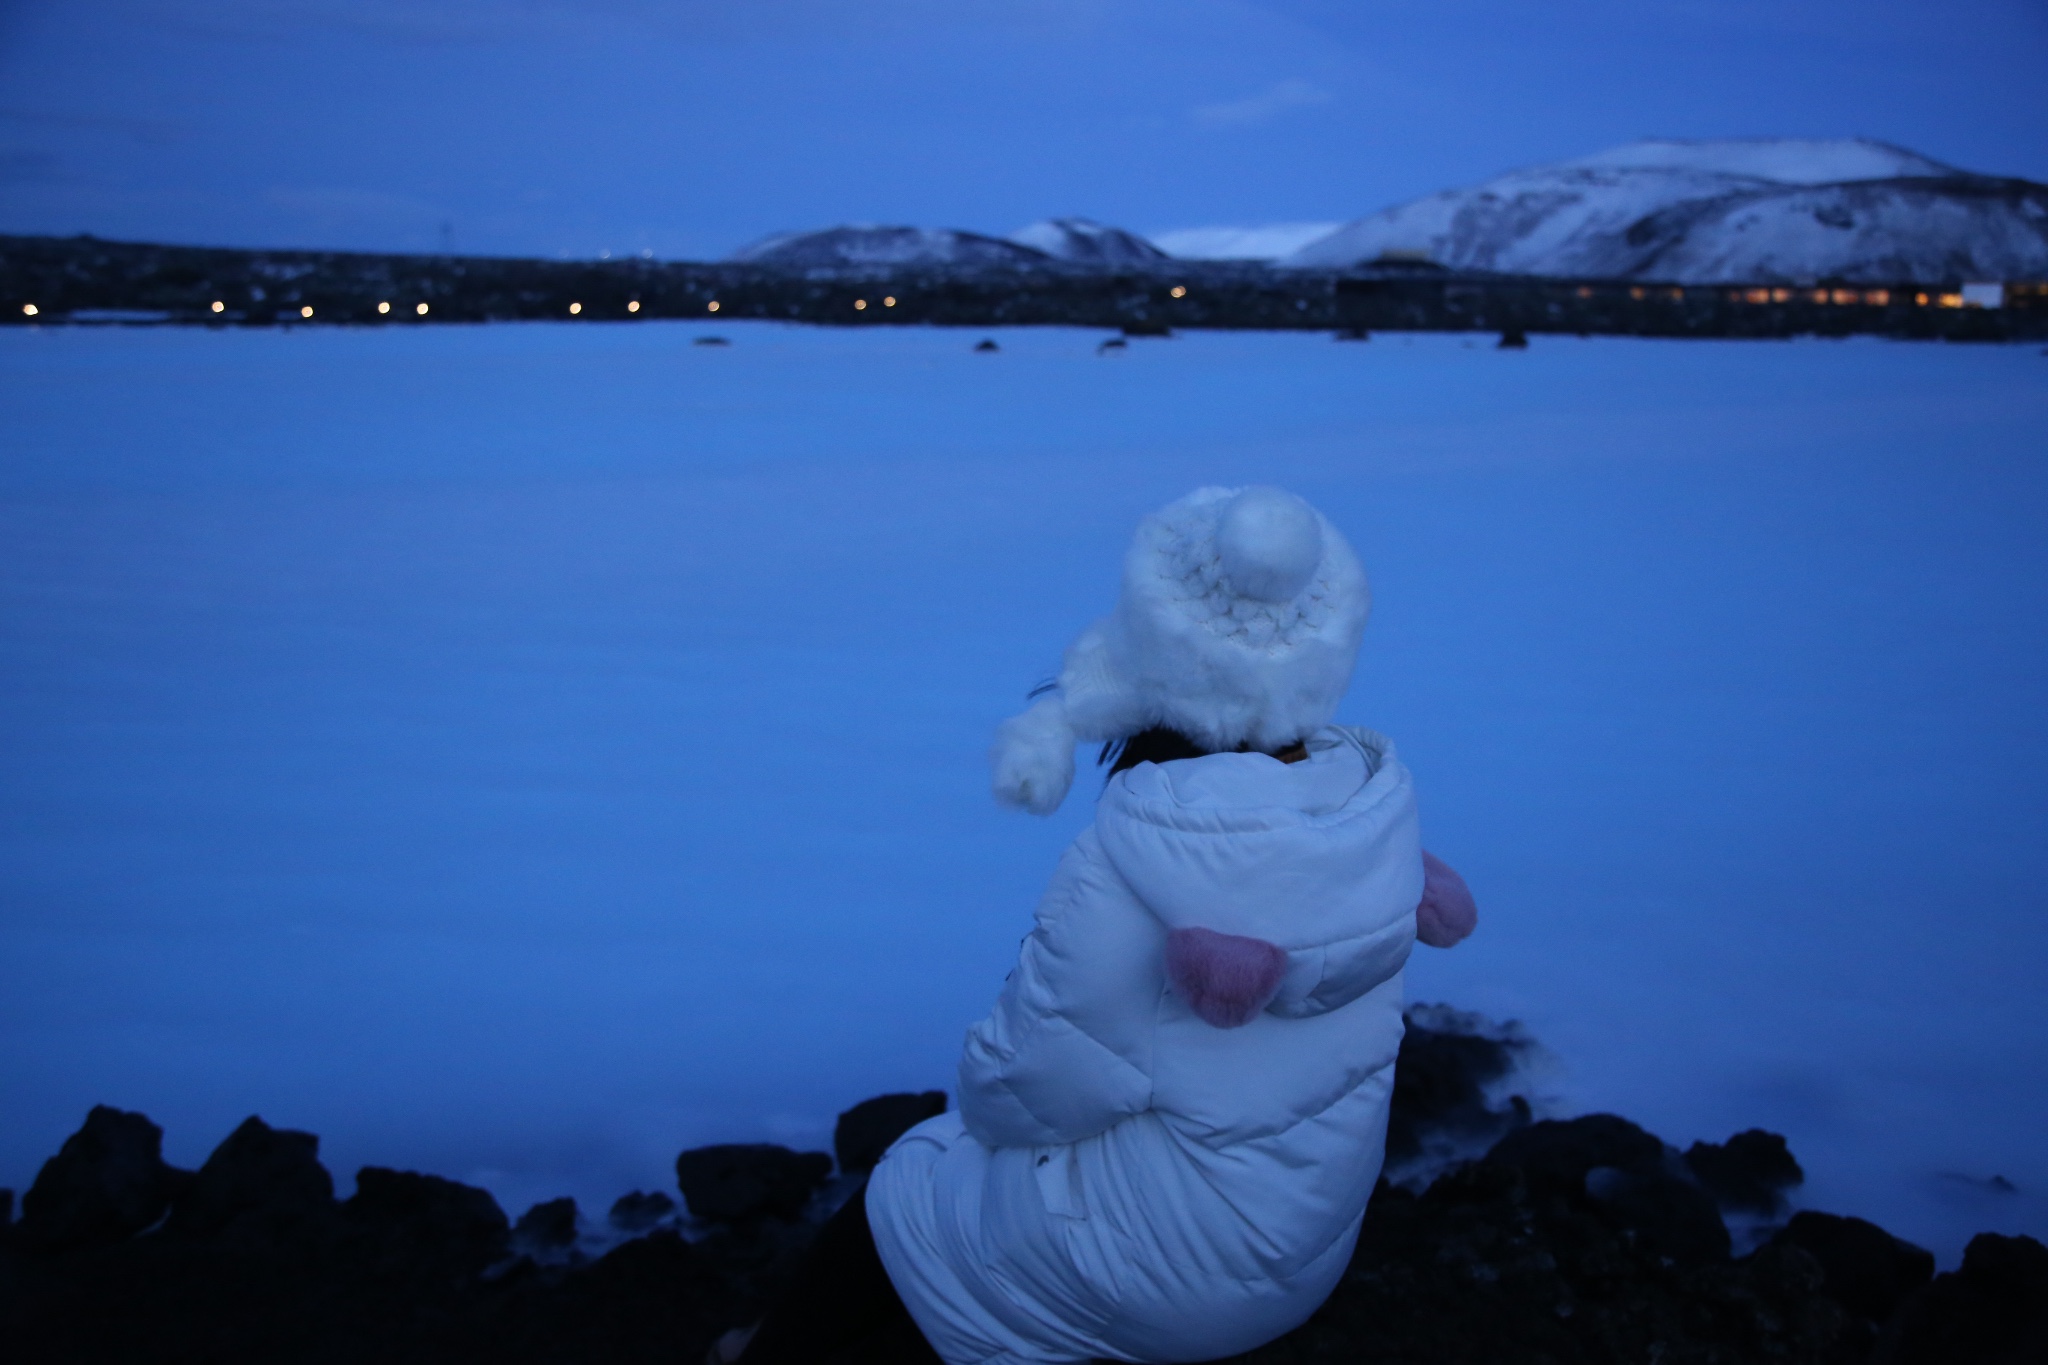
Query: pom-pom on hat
1239	622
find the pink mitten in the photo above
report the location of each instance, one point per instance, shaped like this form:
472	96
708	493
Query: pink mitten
1227	979
1447	913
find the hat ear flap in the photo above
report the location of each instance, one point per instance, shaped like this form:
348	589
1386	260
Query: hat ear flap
1032	760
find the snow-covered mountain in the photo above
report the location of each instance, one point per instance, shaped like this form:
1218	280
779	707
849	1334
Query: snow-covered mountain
1083	239
1267	242
1723	211
852	247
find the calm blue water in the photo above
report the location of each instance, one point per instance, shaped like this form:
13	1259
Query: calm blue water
522	752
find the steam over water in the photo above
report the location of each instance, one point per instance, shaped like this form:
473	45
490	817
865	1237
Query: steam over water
521	752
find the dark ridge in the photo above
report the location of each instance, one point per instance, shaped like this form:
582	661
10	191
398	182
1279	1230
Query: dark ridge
83	280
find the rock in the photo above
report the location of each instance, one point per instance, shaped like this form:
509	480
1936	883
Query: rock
866	1131
1993	1310
986	346
262	1183
419	1222
548	1227
107	1183
1112	345
711	341
1750	1171
743	1182
638	1212
1488	1266
1353	334
1629	1177
1668	1216
1866	1269
1560	1152
1440	1108
1513	341
1145	328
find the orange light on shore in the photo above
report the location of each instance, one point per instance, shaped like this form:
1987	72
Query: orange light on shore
1758	296
307	311
29	310
889	301
383	307
1179	291
421	310
1848	296
712	306
1637	292
1951	300
574	309
219	307
1878	298
1920	299
1781	295
859	304
633	306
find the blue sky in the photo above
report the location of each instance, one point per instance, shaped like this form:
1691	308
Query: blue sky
687	129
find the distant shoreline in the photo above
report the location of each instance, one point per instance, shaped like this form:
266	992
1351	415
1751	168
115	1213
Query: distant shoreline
88	281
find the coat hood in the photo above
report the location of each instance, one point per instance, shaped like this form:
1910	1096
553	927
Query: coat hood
1321	858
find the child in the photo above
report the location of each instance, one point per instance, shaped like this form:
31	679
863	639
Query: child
1170	1124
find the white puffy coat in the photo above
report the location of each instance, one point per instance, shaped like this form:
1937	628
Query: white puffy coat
1122	1179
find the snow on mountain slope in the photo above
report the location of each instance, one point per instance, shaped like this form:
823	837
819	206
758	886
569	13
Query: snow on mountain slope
1788	160
1268	242
1084	239
1709	212
860	245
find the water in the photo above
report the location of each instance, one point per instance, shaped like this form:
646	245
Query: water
521	752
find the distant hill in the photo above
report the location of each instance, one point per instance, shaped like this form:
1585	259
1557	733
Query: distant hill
852	247
1085	240
1734	211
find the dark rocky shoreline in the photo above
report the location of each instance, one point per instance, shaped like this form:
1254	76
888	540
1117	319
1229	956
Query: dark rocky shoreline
84	280
1583	1240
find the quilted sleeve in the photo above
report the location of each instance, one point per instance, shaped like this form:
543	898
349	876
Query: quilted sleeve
1065	1053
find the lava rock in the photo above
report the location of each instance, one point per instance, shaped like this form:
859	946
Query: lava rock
1560	1152
1487	1267
422	1223
263	1184
868	1129
1513	341
1441	1078
546	1227
986	346
1868	1271
638	1212
1993	1310
1667	1216
744	1182
1750	1171
107	1183
1628	1176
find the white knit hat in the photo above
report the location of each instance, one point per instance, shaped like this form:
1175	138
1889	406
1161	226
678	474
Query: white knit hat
1240	619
